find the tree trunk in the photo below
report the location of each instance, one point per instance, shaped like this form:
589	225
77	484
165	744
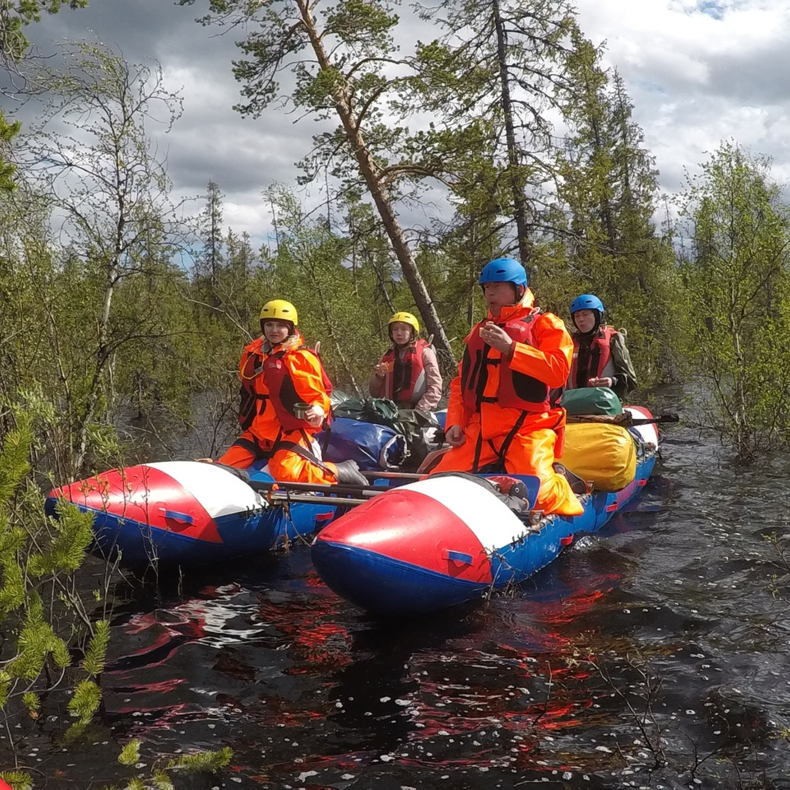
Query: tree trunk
516	187
371	173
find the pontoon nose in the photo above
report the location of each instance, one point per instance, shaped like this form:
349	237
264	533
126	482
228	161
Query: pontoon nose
418	548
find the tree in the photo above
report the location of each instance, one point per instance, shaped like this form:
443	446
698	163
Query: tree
738	297
607	190
309	268
13	48
211	234
113	197
14	15
338	54
499	67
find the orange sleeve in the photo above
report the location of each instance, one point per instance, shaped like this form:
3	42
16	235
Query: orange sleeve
305	370
457	413
549	360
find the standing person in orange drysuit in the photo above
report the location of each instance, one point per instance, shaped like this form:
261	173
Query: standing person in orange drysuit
501	406
292	391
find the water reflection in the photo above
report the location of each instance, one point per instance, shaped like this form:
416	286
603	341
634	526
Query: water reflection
650	655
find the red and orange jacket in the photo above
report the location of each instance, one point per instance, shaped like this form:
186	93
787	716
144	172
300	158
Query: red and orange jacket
500	389
275	378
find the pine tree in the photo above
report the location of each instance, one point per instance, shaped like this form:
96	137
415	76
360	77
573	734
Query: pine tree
494	74
608	191
338	53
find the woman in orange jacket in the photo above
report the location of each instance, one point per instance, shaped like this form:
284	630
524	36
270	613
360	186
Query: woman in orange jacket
290	392
501	407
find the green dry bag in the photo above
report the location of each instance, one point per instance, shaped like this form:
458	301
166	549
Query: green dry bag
591	400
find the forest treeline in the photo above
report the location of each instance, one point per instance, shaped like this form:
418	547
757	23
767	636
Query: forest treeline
501	124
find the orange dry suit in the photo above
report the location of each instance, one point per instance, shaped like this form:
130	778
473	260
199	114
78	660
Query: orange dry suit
505	405
293	374
273	380
256	413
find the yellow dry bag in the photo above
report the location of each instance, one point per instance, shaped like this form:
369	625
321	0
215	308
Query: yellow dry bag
599	452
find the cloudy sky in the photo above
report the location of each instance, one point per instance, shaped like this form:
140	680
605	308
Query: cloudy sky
698	72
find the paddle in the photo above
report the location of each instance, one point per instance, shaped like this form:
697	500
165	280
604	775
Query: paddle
274	486
276	496
392	475
626	419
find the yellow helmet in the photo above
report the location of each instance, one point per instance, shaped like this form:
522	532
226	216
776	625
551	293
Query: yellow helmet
406	318
280	310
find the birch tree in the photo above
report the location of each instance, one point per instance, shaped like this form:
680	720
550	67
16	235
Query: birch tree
738	297
111	195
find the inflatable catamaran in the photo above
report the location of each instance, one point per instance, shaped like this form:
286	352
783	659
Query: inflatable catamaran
445	540
403	544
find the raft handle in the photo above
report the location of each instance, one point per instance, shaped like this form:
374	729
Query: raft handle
457	556
176	516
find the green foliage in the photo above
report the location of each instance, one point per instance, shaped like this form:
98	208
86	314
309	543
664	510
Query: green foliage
73	532
31	701
738	298
13	461
15	14
130	754
93	663
202	761
106	290
19	780
608	196
310	268
37	640
161	781
85	701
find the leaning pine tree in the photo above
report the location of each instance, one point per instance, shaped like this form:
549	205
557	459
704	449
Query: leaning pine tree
347	68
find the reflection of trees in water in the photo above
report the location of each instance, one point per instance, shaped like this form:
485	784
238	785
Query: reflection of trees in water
556	678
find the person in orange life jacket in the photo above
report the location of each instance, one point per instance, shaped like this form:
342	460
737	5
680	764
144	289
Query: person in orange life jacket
600	357
409	372
292	375
501	407
258	420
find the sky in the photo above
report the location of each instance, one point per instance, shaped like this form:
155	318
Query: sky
698	72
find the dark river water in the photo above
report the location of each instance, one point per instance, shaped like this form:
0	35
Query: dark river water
651	655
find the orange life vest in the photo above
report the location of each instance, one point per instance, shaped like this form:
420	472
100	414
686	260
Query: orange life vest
282	391
516	390
599	362
406	383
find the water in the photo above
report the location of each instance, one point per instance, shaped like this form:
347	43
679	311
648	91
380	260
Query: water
652	655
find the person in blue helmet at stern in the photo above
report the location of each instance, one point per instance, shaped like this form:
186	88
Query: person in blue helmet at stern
600	357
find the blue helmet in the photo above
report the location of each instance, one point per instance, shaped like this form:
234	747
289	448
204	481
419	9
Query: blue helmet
587	302
504	270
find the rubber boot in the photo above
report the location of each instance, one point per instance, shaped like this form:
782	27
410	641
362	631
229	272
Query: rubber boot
578	486
348	474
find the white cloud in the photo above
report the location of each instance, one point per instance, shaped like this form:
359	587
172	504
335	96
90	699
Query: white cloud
698	72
